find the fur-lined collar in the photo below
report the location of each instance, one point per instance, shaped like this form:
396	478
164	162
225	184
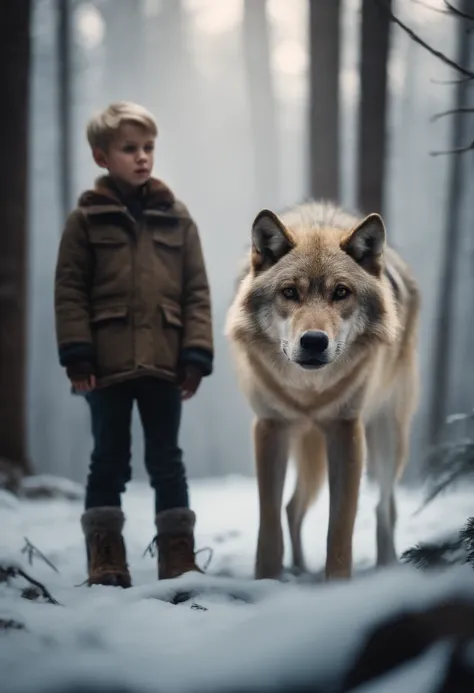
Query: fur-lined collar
157	195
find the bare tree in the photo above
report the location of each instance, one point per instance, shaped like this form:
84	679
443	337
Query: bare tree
125	50
465	14
452	243
374	44
14	75
261	100
324	98
65	102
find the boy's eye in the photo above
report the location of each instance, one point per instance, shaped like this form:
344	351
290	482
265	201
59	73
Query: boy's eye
129	148
149	148
290	292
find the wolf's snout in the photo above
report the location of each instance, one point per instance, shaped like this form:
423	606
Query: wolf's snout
314	341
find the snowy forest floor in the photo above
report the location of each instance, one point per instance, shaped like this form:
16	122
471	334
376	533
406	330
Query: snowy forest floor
235	633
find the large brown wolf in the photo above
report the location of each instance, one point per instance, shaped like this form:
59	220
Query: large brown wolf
324	329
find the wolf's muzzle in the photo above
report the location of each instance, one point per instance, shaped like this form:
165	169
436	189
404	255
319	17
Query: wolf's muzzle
313	349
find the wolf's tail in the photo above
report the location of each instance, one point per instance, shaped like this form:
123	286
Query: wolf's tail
308	450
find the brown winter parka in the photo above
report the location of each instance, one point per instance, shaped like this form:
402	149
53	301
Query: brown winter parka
132	295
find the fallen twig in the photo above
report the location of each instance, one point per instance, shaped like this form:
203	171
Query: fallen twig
7	572
30	549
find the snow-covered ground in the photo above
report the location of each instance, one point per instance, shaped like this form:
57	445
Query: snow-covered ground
249	635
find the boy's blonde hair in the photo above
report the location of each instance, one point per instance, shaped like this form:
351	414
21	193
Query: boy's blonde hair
104	125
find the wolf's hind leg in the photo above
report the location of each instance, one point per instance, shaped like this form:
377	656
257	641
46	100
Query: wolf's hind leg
308	449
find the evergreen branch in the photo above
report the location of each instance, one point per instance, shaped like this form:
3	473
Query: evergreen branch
430	555
467	536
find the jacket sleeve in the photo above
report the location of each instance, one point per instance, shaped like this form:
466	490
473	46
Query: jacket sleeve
71	293
197	344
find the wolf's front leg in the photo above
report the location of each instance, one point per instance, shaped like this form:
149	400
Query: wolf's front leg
271	441
345	449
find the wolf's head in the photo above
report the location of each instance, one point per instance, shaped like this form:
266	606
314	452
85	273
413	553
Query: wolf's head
317	291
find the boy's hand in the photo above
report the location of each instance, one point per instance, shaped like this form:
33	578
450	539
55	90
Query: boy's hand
84	385
81	376
190	382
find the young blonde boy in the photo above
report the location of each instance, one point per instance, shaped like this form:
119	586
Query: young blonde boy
133	323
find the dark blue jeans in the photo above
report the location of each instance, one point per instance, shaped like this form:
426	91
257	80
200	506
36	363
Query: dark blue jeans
159	407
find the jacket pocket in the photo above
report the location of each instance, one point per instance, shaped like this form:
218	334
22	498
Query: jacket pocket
108	235
112	262
106	313
113	339
167	239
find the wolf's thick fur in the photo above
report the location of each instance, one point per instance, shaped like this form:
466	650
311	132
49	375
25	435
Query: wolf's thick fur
323	329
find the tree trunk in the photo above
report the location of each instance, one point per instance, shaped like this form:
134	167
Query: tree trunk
65	103
441	374
261	102
125	51
373	107
324	99
14	74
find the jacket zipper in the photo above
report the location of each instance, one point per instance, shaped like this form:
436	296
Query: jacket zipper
135	233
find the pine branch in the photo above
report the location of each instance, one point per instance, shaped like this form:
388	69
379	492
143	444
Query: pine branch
459	68
467	536
430	555
446	465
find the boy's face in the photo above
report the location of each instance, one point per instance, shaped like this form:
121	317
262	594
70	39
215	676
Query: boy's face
130	155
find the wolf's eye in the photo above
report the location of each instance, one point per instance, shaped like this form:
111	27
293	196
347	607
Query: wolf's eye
290	293
340	292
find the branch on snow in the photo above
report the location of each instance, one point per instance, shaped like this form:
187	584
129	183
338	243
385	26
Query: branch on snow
8	572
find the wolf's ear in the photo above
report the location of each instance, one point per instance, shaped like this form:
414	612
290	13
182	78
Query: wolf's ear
366	243
270	241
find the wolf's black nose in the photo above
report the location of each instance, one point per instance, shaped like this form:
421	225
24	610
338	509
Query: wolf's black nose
314	341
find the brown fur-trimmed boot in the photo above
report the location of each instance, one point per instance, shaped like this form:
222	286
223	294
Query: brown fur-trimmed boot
106	556
175	541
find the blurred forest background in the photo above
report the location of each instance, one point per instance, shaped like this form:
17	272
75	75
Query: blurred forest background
260	103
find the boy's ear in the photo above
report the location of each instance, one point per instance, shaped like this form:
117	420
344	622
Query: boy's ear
100	157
